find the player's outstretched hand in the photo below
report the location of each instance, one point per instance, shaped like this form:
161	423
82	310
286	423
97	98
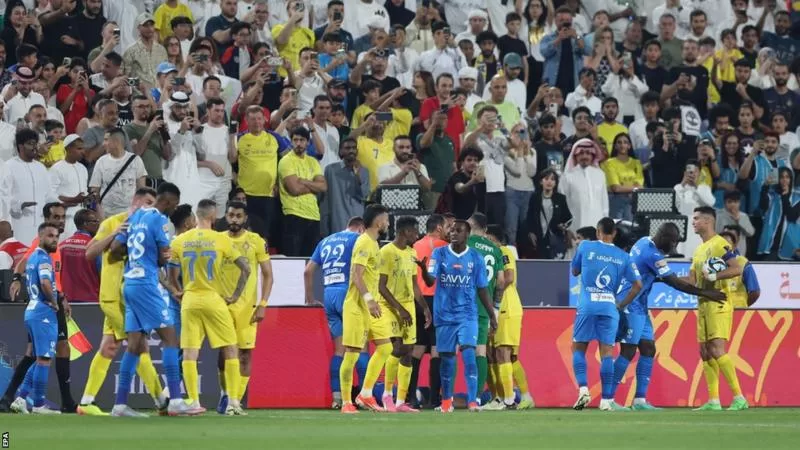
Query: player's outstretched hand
715	296
258	314
405	318
374	309
422	263
428	319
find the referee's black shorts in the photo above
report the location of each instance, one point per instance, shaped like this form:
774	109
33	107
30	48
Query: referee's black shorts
426	337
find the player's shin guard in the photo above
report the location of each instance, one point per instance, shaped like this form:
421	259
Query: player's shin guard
644	368
190	378
62	372
506	382
243	381
579	367
620	367
40	375
169	358
232	377
435	381
390	374
20	372
126	370
470	373
335	365
412	382
97	375
483	372
607	376
361	367
711	372
446	370
147	372
728	370
346	375
376	363
403	381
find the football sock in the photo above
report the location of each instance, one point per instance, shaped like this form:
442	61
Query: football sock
147	372
335	365
483	372
18	377
169	358
97	375
62	371
374	368
403	381
243	380
520	377
27	382
579	367
346	374
620	367
711	371
390	377
361	367
232	378
412	382
446	369
435	380
507	381
644	368
190	379
728	370
126	371
470	373
494	381
607	376
40	375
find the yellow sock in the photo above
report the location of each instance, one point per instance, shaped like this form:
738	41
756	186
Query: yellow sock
711	371
520	378
729	372
232	377
494	381
190	380
97	374
243	380
147	372
376	363
346	374
506	380
391	374
403	380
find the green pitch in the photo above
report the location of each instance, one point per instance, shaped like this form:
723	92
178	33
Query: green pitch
537	429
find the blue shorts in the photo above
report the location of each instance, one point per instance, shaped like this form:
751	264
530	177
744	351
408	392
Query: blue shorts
448	337
590	327
147	307
634	328
43	333
334	302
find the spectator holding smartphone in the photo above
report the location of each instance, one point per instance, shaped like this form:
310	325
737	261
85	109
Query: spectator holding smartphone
291	37
73	99
781	206
689	194
760	167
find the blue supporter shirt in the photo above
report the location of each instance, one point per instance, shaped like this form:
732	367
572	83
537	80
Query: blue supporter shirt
602	269
749	279
39	268
146	235
333	254
457	277
652	265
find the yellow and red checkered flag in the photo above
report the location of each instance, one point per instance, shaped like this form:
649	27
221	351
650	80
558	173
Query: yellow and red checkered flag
78	344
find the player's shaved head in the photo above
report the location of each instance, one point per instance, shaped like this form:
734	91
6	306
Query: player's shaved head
356	224
479	222
434	222
667	237
606	229
207	210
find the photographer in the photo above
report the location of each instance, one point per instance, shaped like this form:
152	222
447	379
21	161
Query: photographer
73	99
623	84
564	39
185	148
149	138
761	167
691	194
405	168
490	138
310	80
671	150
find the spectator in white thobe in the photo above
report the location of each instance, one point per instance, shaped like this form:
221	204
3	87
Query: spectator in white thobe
584	184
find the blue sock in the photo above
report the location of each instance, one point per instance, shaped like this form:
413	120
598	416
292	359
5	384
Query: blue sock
470	373
446	370
39	384
620	367
643	370
607	376
172	368
579	367
126	370
27	382
336	363
361	367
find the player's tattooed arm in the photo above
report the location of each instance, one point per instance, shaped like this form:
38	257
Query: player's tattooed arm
244	267
636	286
483	294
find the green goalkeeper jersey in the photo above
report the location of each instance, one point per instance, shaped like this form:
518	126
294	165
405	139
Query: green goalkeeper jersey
493	258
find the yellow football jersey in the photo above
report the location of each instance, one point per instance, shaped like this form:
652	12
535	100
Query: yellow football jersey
201	254
400	270
735	289
715	247
254	248
111	275
366	254
511	299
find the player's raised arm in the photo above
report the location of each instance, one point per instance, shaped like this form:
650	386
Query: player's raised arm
308	281
682	285
426	277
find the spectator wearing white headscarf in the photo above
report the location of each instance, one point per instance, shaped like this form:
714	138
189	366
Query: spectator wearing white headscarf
584	184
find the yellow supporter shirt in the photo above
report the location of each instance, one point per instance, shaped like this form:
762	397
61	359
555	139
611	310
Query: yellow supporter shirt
715	247
258	164
56	153
301	37
164	15
372	154
400	270
359	115
626	173
511	300
254	248
400	124
111	275
367	255
608	131
202	254
306	168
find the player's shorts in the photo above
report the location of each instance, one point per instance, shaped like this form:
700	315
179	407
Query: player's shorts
43	335
509	330
334	304
448	337
243	324
407	333
634	328
146	307
713	323
425	336
384	327
114	318
483	330
206	315
591	327
355	324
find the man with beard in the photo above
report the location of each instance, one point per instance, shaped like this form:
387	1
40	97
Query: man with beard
786	47
761	168
689	81
780	97
405	169
487	63
374	150
740	91
327	133
584	129
348	186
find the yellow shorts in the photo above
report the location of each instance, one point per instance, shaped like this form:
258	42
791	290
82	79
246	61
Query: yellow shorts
206	316
114	320
509	330
355	324
242	322
407	333
386	326
712	322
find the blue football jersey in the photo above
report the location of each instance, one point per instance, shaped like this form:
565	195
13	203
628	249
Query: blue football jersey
602	269
148	232
39	268
333	254
652	265
750	279
457	277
